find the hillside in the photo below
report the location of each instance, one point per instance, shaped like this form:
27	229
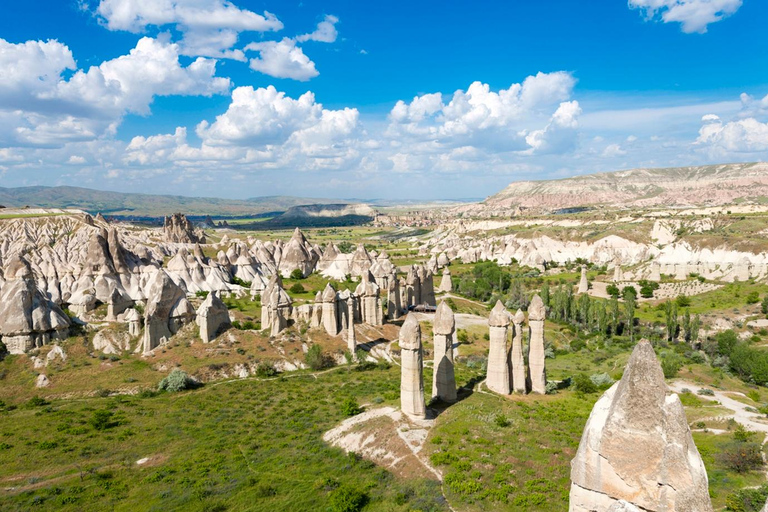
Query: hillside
146	205
710	185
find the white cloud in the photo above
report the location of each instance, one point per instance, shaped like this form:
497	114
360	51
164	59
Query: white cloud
613	151
210	28
693	15
39	107
506	120
742	136
282	59
76	160
324	33
560	135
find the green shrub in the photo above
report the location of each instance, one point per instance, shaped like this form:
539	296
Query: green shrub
753	395
602	380
583	385
296	288
238	281
349	407
316	359
177	380
36	401
740	456
671	364
747	500
613	290
102	420
753	298
706	392
501	421
347	499
203	294
683	301
297	274
265	370
3	351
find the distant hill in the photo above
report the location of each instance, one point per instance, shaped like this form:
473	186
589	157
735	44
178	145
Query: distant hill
146	205
710	185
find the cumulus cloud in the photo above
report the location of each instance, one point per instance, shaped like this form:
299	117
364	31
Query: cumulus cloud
209	28
505	120
324	33
693	15
39	107
282	59
741	136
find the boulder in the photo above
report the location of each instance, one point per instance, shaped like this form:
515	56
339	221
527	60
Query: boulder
637	447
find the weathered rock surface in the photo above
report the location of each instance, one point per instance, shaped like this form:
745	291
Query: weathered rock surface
412	369
178	229
637	447
497	379
444	333
536	357
108	341
167	311
583	283
446	285
212	318
516	359
28	319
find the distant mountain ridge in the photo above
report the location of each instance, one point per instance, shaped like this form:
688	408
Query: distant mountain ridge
125	204
709	185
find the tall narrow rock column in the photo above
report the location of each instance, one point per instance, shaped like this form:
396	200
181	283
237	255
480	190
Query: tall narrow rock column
517	361
351	339
443	378
583	283
498	368
412	369
536	315
330	314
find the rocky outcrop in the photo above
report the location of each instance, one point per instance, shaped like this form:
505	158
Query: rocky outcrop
637	447
28	319
276	306
330	311
370	306
297	255
178	229
536	357
167	311
109	341
412	369
497	379
212	317
444	333
393	298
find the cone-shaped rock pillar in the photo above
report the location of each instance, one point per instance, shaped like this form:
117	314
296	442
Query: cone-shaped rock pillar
498	369
583	283
412	369
443	378
637	447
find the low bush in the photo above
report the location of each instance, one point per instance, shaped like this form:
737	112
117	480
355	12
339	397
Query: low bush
296	288
741	456
176	381
297	274
103	420
349	407
347	499
583	385
316	359
747	500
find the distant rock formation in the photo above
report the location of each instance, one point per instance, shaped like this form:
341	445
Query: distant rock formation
412	369
637	447
583	283
212	317
444	333
297	255
178	229
28	319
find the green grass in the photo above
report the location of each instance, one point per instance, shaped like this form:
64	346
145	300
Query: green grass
522	466
238	445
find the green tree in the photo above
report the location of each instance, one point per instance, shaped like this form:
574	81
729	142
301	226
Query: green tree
695	326
687	325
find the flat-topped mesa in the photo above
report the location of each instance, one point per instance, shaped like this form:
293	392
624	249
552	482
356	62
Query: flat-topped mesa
444	332
212	317
297	255
412	369
583	283
446	285
498	379
538	374
637	447
28	319
178	229
330	311
516	358
167	311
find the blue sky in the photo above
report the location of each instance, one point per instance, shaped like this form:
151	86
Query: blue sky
411	100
